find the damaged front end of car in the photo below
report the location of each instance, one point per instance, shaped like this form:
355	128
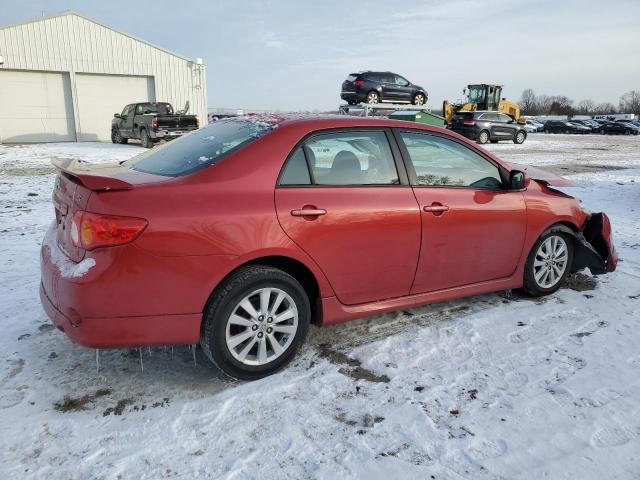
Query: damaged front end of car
593	248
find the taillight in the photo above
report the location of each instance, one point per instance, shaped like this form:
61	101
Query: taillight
469	122
154	123
91	230
358	83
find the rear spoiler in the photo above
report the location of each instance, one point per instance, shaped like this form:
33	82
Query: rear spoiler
89	175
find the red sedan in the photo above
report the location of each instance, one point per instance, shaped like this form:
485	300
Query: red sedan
241	234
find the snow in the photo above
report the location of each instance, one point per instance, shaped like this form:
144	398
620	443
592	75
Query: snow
67	267
489	387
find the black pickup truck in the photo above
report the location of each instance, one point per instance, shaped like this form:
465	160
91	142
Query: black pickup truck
150	122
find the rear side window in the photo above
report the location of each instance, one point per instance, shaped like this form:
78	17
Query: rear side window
442	162
200	148
342	158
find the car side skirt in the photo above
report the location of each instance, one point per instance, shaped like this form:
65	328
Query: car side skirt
335	312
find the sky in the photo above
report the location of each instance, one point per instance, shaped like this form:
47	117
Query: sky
294	55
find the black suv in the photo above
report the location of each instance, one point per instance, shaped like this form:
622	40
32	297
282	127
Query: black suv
376	87
562	126
620	127
488	126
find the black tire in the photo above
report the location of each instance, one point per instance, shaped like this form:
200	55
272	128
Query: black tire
116	138
545	131
520	137
145	139
419	97
567	131
223	303
483	137
373	97
530	284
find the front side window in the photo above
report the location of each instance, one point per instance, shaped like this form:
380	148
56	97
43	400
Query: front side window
200	148
342	158
401	81
442	162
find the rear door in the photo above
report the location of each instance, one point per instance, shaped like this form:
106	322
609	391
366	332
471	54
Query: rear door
343	197
389	88
473	230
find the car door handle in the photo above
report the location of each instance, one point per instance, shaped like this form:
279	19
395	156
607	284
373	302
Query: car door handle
308	212
436	208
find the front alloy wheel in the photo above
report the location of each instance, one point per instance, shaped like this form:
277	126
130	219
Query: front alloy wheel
548	264
418	99
520	137
483	137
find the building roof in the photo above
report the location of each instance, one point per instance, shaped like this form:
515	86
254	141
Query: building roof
71	12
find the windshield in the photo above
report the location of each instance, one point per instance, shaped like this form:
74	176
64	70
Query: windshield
476	93
200	148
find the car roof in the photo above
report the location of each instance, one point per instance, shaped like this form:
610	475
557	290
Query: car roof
323	121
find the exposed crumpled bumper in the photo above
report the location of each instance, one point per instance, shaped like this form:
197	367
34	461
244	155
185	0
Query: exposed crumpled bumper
594	247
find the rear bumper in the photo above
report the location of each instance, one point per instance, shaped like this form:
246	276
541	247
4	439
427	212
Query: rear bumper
123	331
171	133
594	246
123	299
353	96
469	132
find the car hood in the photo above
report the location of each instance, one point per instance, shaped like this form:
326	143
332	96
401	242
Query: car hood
542	176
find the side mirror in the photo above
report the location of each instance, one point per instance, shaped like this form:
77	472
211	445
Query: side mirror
116	115
518	180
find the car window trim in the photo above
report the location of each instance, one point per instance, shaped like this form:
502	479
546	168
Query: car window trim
403	178
411	171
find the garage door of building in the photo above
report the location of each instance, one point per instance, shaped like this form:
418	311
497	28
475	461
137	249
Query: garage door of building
35	107
100	96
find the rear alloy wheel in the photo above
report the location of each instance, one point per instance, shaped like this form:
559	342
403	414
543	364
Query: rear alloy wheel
256	322
548	264
520	137
483	137
373	98
418	99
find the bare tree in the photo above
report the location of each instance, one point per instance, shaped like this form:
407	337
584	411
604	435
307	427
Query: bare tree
544	104
604	108
528	102
630	102
586	107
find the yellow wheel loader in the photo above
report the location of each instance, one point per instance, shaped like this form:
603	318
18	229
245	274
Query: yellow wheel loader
482	96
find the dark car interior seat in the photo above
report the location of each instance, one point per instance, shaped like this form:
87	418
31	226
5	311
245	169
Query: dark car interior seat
345	169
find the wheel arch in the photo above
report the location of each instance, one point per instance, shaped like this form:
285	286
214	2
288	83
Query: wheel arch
294	267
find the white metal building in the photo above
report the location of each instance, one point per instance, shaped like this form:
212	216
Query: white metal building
63	77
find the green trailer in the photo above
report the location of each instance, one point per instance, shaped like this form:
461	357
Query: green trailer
420	116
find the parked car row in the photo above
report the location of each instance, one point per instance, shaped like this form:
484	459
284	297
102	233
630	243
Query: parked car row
604	127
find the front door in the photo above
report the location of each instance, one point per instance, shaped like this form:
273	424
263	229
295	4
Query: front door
473	229
339	199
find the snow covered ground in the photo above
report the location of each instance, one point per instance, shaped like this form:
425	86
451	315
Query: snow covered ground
483	388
